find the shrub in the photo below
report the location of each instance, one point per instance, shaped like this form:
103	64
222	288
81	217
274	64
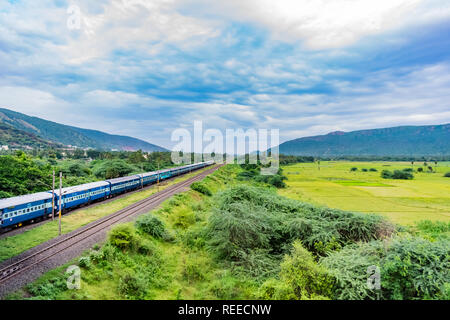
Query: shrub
147	248
354	169
419	169
305	278
48	290
247	175
249	219
397	174
373	170
408	170
349	268
434	230
277	181
123	237
85	262
386	174
274	289
402	175
416	269
365	170
447	175
411	268
151	225
200	187
194	269
132	286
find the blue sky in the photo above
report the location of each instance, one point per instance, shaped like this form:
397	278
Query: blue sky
145	68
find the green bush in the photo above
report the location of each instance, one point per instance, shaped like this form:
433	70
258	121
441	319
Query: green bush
151	225
277	181
132	286
408	170
251	227
247	175
411	268
416	269
397	174
373	170
434	230
447	175
194	269
419	169
365	170
85	262
274	289
386	174
202	188
123	237
354	169
48	290
307	279
402	175
349	269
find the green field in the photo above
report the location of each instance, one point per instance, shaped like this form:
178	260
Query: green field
426	197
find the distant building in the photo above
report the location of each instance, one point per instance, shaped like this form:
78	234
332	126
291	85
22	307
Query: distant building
5	148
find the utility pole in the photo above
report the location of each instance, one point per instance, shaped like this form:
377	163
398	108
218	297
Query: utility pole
142	178
60	200
157	184
53	196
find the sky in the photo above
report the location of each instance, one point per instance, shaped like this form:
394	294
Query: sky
145	68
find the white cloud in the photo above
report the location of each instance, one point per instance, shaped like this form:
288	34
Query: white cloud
324	24
134	25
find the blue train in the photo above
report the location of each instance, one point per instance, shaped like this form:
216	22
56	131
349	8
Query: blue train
18	210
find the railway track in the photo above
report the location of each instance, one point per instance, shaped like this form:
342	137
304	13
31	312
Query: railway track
74	238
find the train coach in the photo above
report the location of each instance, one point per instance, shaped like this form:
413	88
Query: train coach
17	210
125	184
83	194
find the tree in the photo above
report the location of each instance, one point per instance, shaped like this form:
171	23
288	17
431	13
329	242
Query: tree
20	175
93	154
136	157
112	169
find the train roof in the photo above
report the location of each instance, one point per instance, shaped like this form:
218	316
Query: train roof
16	201
148	174
82	187
123	179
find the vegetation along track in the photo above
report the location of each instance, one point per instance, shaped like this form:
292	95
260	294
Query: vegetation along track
34	258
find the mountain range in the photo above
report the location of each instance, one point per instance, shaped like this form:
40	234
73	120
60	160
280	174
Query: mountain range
433	140
39	132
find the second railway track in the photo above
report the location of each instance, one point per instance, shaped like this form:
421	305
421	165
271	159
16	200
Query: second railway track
66	242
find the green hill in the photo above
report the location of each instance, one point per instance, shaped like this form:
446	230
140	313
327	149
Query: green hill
68	135
398	141
15	138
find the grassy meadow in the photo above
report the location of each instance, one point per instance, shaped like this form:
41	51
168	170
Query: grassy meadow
426	197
